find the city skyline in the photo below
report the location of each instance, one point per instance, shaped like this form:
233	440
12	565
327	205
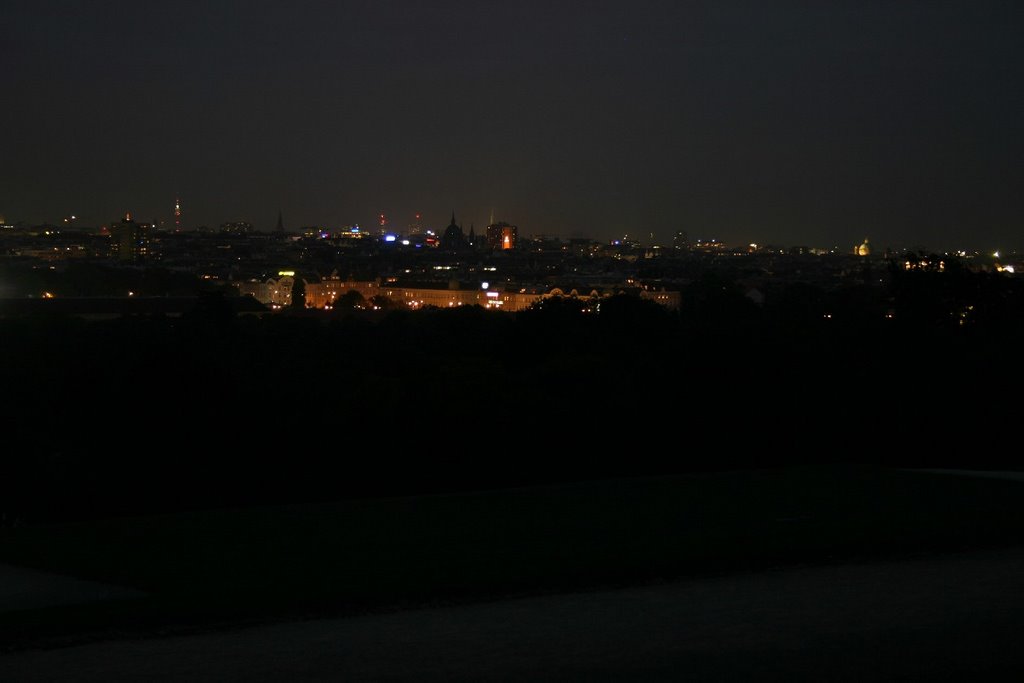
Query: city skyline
792	122
677	339
178	221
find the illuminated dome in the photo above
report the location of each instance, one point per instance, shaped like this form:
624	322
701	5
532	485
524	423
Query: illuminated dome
863	249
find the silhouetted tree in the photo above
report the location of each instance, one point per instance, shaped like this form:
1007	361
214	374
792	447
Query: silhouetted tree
559	306
350	299
383	303
299	293
210	307
628	309
716	300
934	291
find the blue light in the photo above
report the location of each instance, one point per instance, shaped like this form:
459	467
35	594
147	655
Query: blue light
390	238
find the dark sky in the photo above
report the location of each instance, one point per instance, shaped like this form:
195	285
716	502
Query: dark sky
784	122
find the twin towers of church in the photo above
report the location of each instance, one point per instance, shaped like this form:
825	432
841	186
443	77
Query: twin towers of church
499	236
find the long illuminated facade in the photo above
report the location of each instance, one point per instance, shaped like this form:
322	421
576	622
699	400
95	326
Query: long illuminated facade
323	294
276	293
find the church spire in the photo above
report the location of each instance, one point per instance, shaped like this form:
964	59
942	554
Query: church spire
492	217
453	217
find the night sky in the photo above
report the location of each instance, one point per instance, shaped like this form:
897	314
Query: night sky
813	123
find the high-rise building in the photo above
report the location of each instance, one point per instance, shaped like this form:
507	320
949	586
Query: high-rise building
177	214
416	227
502	236
130	240
280	222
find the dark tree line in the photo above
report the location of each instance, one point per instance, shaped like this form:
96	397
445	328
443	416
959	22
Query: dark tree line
153	413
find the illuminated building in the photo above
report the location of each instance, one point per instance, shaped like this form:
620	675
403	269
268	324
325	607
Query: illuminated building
323	294
666	298
709	246
177	215
863	249
236	228
129	240
353	232
276	293
502	236
419	297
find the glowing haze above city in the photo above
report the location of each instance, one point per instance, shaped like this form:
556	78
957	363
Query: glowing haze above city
783	122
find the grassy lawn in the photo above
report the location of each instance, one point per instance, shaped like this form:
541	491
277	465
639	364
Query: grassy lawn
230	566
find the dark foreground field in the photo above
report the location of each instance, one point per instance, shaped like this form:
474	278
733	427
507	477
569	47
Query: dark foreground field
141	415
223	568
251	472
935	618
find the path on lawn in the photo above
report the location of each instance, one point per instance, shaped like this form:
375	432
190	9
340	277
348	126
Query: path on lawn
950	617
22	588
